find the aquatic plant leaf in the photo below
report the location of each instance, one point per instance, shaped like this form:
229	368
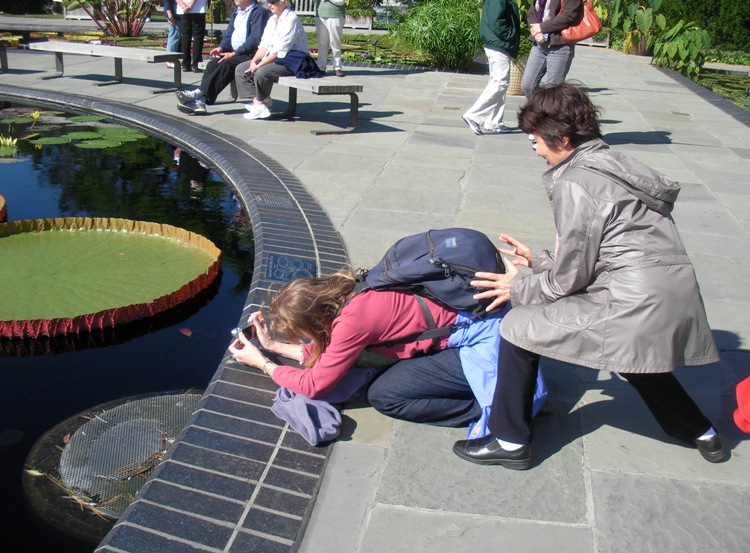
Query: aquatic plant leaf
98	144
17	120
82	135
186	331
51	140
8	151
87	118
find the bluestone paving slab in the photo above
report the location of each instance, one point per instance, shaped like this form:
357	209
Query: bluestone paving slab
663	515
336	527
552	490
399	530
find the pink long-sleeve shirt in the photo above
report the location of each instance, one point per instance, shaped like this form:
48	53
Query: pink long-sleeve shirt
372	317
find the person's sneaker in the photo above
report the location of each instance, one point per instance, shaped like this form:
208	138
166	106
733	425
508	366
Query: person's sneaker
170	65
187	96
339	73
258	112
251	106
192	107
531	137
473	125
199	107
500	129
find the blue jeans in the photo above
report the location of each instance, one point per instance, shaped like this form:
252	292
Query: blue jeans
173	36
430	389
554	62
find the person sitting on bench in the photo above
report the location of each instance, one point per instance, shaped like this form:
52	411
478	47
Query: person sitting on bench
238	45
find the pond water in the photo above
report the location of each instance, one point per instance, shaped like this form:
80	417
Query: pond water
43	383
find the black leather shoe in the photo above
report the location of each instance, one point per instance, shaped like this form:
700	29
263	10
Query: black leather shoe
486	451
712	449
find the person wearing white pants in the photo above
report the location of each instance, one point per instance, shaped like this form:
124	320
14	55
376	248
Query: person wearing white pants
329	26
499	29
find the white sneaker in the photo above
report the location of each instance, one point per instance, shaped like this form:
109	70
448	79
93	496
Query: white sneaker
500	129
251	106
531	137
258	112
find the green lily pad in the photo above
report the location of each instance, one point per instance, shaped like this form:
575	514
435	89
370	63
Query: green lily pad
97	144
8	151
83	135
17	120
51	140
66	273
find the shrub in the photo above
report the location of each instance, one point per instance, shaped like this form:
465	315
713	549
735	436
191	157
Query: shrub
446	31
115	17
682	48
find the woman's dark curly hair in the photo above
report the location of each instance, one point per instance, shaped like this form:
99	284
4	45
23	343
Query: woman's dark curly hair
559	111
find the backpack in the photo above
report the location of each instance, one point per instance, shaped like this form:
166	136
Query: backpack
439	265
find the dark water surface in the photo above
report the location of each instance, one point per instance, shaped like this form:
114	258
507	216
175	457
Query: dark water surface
137	180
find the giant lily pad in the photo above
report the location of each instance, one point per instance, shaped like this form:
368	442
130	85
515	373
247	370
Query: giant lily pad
74	274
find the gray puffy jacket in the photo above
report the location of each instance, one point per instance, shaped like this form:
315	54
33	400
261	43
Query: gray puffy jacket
619	293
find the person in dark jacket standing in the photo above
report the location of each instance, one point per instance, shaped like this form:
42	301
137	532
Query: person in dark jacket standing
238	45
617	293
499	29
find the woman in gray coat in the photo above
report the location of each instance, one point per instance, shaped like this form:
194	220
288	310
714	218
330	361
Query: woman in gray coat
618	292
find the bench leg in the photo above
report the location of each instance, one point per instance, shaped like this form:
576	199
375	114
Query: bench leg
177	80
3	59
353	117
233	90
118	74
59	66
291	108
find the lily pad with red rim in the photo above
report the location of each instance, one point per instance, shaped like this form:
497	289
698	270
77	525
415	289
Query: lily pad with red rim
77	274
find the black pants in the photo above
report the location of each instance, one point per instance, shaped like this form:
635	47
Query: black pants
192	33
510	418
218	76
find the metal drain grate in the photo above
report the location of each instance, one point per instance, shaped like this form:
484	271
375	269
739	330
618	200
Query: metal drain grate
109	458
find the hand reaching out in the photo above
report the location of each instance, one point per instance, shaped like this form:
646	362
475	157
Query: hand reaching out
520	251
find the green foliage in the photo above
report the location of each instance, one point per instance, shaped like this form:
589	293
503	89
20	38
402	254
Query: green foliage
735	88
639	21
361	8
447	31
682	48
722	56
115	17
727	21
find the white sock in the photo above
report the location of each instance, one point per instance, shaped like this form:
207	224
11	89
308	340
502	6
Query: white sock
509	446
710	433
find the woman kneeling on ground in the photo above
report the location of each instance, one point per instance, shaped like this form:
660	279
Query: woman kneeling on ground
326	325
618	293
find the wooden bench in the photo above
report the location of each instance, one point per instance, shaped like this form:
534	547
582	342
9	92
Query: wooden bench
117	52
322	86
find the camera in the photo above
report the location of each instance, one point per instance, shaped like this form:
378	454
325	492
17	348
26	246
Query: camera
248	331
